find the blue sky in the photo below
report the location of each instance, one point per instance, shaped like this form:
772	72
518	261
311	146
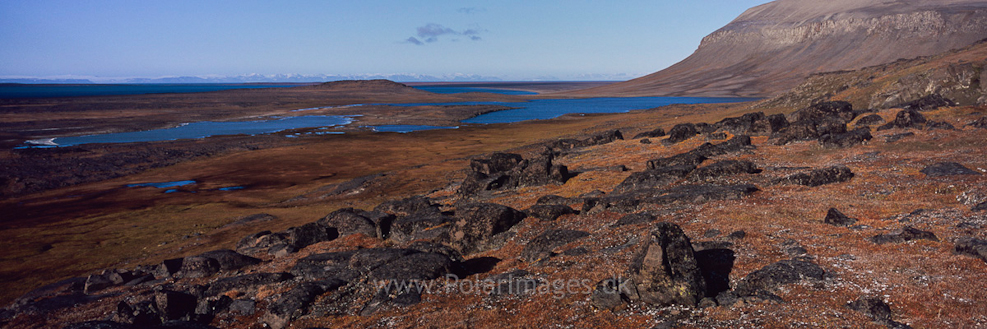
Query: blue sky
506	39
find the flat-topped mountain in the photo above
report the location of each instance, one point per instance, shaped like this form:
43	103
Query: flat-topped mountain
775	46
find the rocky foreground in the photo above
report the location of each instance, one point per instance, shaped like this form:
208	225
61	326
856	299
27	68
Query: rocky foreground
826	217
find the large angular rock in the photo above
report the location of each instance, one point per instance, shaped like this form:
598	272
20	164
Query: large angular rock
905	119
947	169
350	221
366	260
198	267
549	212
725	168
904	234
309	234
293	303
836	109
876	309
230	260
658	132
505	171
818	177
927	103
417	266
666	272
655	178
476	224
771	276
408	206
544	244
425	225
245	281
326	266
972	247
870	120
681	132
841	140
753	124
173	305
836	218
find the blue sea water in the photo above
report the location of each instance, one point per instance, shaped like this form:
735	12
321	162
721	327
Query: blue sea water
164	184
459	90
13	90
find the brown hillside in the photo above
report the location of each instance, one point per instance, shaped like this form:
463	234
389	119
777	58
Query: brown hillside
774	47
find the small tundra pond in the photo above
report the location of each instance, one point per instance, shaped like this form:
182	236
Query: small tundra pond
521	111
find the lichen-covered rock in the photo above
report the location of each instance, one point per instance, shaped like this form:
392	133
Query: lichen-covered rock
666	272
904	234
839	140
876	309
658	132
549	212
905	119
771	276
818	177
725	168
543	245
835	109
947	169
836	218
476	224
655	178
309	234
350	221
972	247
870	120
927	103
681	132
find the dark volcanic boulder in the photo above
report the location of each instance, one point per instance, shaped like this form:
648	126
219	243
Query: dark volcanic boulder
658	132
681	132
904	234
835	217
933	125
369	259
980	207
856	137
797	131
326	266
972	247
753	124
544	244
404	207
836	109
631	219
604	137
173	305
309	234
870	120
947	169
496	163
426	225
725	168
897	137
549	212
417	266
350	221
876	309
230	260
245	281
666	272
656	178
198	267
777	122
771	276
979	123
552	199
685	160
261	242
477	223
293	303
905	119
703	193
506	170
927	103
822	176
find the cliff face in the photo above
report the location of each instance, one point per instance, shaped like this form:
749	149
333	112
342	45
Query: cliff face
774	47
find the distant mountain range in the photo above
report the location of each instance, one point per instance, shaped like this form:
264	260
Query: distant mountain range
776	46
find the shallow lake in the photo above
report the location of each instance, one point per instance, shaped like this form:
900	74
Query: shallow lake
522	111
